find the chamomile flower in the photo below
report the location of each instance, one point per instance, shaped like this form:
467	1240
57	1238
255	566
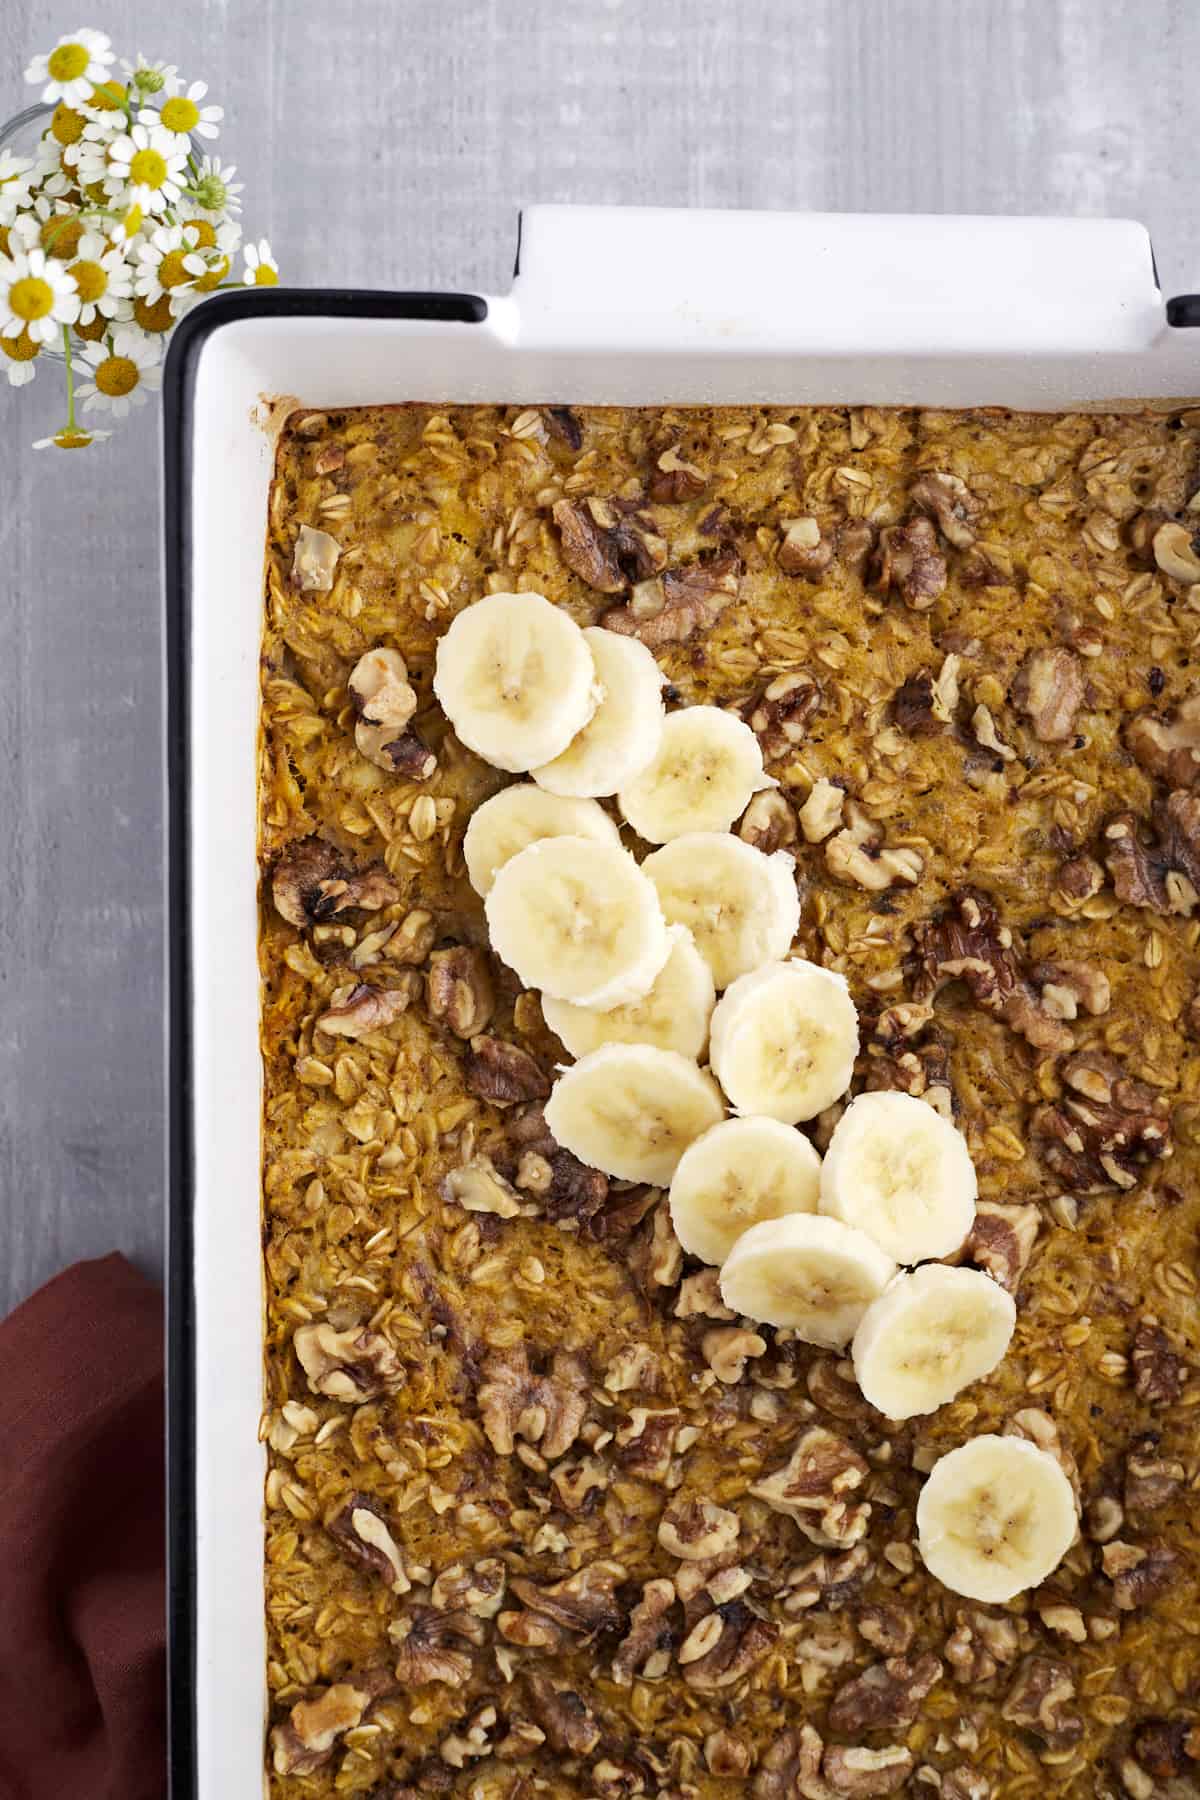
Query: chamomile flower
261	269
123	373
16	174
103	280
213	188
129	226
74	66
21	352
71	437
169	264
149	165
147	77
183	114
37	295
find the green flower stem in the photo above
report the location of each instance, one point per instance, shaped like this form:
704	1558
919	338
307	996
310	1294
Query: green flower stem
66	330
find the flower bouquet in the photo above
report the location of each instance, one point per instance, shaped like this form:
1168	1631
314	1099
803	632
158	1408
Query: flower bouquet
118	222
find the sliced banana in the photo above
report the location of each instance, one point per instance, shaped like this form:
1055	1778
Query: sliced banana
736	1175
579	920
673	1015
813	1275
995	1517
516	679
741	907
623	734
932	1333
708	766
519	815
632	1110
784	1040
902	1173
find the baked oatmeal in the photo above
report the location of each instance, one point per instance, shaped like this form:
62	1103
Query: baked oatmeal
544	1515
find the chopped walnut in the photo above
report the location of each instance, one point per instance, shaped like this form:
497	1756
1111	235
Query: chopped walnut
727	1349
459	990
768	822
1169	747
1066	986
546	1410
575	1482
1151	1480
856	854
815	1488
675	480
567	1720
700	1295
366	1010
1080	877
1166	1748
1136	864
1103	1517
803	550
965	1784
414	938
1001	1240
479	1188
1139	1573
434	1646
307	1740
646	1444
693	598
865	1773
1049	688
314	560
577	1607
909	1054
908	561
312	884
521	1740
647	1643
503	1073
361	1528
791	1768
616	1780
697	1529
478	1590
967	942
979	1644
1039	1700
634	1366
725	1646
607	546
406	755
781	715
355	1364
887	1695
912	706
385	702
952	504
726	1756
885	1626
834	1581
822	811
1158	1371
1105	1129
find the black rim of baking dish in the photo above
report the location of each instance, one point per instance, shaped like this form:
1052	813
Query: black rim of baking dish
179	378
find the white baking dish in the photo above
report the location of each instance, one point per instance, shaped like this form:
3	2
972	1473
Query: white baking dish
608	306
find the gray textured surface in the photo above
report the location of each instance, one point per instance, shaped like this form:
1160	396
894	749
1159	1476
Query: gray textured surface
390	142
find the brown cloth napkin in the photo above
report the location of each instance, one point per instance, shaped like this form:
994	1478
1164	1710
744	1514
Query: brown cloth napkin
82	1625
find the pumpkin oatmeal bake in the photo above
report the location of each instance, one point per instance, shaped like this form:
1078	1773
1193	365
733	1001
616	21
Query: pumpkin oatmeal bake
730	951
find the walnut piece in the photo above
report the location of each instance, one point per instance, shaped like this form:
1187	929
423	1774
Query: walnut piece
1105	1129
360	1527
434	1646
726	1756
952	504
355	1364
307	1740
908	561
1001	1240
567	1720
727	1349
791	1767
546	1410
724	1646
912	706
503	1073
885	1626
979	1645
803	551
459	990
857	854
1039	1700
822	811
385	702
366	1010
607	544
815	1488
834	1581
1139	1573
768	822
314	560
967	942
478	1187
478	1590
1169	747
887	1695
700	1296
688	599
646	1444
865	1773
781	715
1151	1480
675	480
312	884
697	1529
647	1643
1158	1371
575	1608
1166	1748
1049	688
570	1193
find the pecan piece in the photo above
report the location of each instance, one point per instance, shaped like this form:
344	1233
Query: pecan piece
1039	1700
568	1722
1158	1371
1169	747
697	1529
865	1773
693	598
546	1410
434	1646
781	715
1105	1129
646	1647
312	884
503	1073
1001	1240
803	550
1140	1573
887	1695
355	1364
1049	689
907	560
815	1488
307	1740
360	1527
725	1645
459	990
366	1010
1151	1480
967	942
952	504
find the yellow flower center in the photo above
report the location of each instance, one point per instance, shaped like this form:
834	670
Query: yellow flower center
206	237
67	126
91	280
20	348
265	275
132	221
117	375
154	318
180	114
147	169
68	62
96	329
31	297
171	272
108	96
71	438
216	274
60	235
3	240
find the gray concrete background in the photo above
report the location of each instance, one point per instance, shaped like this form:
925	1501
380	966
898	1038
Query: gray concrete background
390	144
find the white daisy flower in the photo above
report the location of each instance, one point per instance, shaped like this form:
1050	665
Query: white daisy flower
16	177
261	269
169	264
151	164
183	114
213	188
20	357
123	373
103	280
36	295
147	77
71	437
74	66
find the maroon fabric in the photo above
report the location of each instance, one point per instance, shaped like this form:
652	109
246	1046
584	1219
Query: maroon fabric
82	1625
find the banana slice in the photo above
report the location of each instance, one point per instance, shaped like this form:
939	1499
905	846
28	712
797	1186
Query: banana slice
673	1015
931	1334
623	734
632	1110
516	680
902	1173
579	920
741	907
995	1517
520	815
708	766
816	1276
784	1040
736	1175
